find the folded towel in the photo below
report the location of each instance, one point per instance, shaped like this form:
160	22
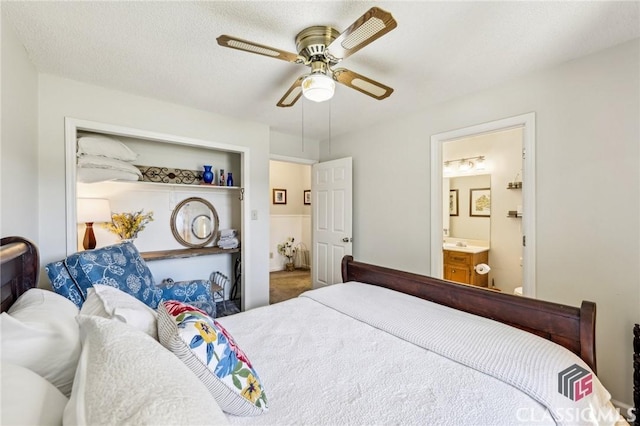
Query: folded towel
228	243
227	233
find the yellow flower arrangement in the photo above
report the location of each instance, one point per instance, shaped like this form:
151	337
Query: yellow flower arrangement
127	225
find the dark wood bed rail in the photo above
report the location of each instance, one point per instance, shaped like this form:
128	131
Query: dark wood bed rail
20	263
568	326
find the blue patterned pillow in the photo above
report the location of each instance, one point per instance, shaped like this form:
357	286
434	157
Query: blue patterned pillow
62	283
119	266
195	293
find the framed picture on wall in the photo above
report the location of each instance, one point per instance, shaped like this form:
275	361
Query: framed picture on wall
279	196
480	202
307	197
453	202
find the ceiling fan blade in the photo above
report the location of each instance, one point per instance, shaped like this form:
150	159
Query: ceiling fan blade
362	84
260	49
367	28
293	94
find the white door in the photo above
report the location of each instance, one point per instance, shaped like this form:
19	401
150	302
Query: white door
331	200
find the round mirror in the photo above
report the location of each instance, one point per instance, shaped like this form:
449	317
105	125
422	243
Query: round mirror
194	222
201	226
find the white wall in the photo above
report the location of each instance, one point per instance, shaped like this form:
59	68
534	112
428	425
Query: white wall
19	140
588	186
157	235
293	146
60	98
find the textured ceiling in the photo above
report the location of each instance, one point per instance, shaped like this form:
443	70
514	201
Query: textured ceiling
439	51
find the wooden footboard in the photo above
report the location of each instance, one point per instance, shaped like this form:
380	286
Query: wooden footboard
568	326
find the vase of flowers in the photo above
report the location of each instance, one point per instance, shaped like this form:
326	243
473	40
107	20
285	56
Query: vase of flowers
128	225
288	250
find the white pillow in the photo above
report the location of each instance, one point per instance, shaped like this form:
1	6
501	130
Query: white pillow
28	399
106	147
109	302
93	174
40	332
97	162
126	377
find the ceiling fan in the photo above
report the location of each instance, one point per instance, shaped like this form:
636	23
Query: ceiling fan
321	48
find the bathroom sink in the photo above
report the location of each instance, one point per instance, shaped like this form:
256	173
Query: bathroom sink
453	245
465	248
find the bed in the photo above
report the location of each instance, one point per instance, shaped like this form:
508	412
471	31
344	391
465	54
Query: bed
385	347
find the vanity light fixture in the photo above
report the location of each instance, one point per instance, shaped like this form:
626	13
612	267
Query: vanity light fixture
447	167
465	164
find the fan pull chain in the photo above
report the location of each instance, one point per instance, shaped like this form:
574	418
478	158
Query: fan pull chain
302	125
330	128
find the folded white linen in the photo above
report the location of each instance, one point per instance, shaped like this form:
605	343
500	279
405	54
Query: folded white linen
227	233
228	243
107	163
93	174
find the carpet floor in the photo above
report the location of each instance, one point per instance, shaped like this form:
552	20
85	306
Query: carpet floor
285	285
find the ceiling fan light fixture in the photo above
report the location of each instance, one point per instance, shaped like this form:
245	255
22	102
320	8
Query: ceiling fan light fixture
318	87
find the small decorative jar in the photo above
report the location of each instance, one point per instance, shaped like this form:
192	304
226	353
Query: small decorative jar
221	180
229	179
207	176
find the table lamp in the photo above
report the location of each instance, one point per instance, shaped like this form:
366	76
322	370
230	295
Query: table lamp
90	211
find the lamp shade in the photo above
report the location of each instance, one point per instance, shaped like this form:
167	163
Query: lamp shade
318	87
92	210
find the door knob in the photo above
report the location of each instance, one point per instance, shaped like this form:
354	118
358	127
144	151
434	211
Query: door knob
347	240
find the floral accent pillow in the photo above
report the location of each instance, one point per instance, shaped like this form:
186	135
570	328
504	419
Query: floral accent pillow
212	354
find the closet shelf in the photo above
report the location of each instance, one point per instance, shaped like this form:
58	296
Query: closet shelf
184	253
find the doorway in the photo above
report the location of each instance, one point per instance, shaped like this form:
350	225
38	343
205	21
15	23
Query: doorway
525	214
290	227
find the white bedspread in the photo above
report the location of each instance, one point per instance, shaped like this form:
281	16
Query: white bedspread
368	355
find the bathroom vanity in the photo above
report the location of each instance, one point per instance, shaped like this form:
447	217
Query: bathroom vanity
459	263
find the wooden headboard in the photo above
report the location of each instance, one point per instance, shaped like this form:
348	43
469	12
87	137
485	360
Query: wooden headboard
568	326
19	268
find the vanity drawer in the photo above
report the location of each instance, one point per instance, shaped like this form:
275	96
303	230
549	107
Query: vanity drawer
458	258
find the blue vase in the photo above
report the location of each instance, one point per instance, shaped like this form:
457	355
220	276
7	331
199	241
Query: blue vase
229	179
207	176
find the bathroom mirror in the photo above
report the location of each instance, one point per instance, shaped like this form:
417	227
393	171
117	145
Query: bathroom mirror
194	222
463	225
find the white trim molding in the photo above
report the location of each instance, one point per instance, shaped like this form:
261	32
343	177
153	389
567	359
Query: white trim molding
73	125
276	157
